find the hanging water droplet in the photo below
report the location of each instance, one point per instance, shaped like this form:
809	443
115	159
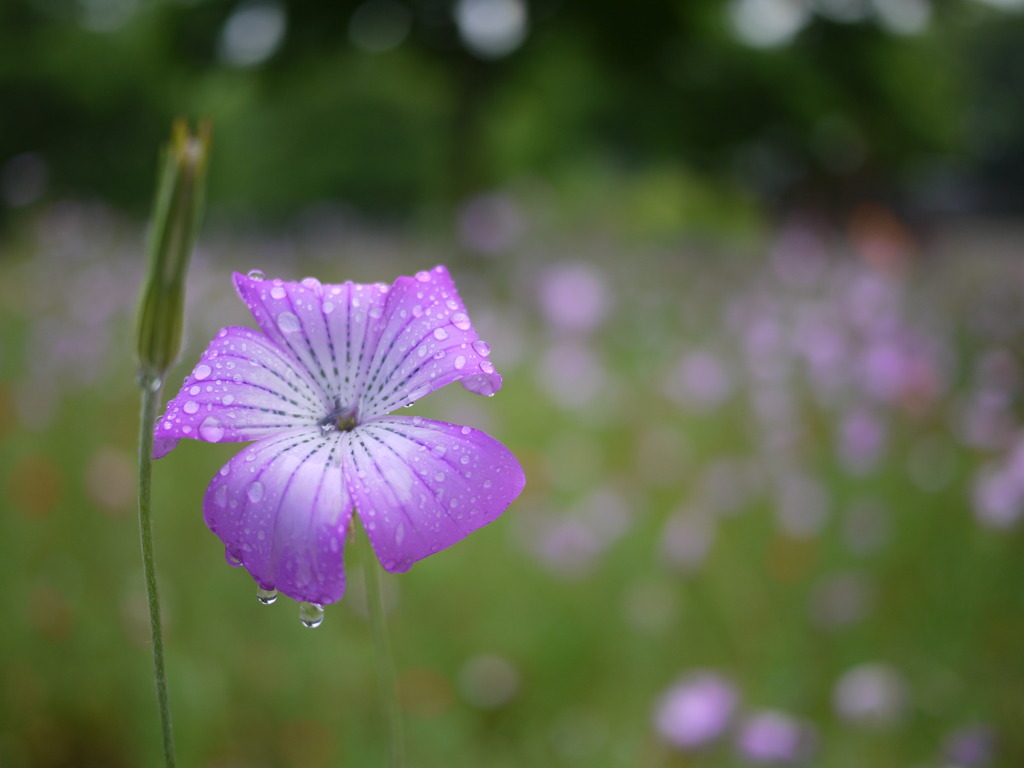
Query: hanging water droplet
256	274
407	405
233	561
326	428
482	348
311	614
266	596
461	321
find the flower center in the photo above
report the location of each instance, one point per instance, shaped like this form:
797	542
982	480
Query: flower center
341	419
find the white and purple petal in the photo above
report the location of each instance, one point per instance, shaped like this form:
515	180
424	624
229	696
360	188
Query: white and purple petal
282	509
243	388
330	330
419	485
426	342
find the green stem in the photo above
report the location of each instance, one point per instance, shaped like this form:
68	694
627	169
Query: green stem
383	659
151	388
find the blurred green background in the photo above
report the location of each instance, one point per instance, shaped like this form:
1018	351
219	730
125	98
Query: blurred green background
751	270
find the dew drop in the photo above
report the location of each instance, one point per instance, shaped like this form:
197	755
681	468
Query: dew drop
466	430
277	292
440	334
228	399
328	307
195	389
255	492
202	371
422	351
460	362
266	596
312	283
417	310
311	614
211	430
256	274
423	277
487	366
481	347
461	321
288	322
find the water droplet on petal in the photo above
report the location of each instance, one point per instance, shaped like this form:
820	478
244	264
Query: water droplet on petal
311	614
487	366
312	283
423	277
461	321
328	307
277	292
255	492
266	596
190	407
288	322
256	274
228	399
202	371
460	362
481	347
440	334
211	430
220	496
466	430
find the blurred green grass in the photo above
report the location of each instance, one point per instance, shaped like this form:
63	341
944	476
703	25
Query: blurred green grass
594	631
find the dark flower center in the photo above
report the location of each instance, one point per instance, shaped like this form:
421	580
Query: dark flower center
341	419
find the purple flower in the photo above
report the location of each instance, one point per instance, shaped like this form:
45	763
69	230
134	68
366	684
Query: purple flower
696	710
314	387
775	738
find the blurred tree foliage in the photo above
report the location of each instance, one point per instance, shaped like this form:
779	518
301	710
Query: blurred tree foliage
843	108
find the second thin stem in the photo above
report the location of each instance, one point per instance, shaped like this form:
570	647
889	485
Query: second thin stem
383	660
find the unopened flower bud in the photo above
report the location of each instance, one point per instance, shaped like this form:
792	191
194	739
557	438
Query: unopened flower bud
177	211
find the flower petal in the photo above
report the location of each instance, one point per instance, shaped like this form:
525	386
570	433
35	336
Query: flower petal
330	330
420	486
243	388
426	341
281	507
